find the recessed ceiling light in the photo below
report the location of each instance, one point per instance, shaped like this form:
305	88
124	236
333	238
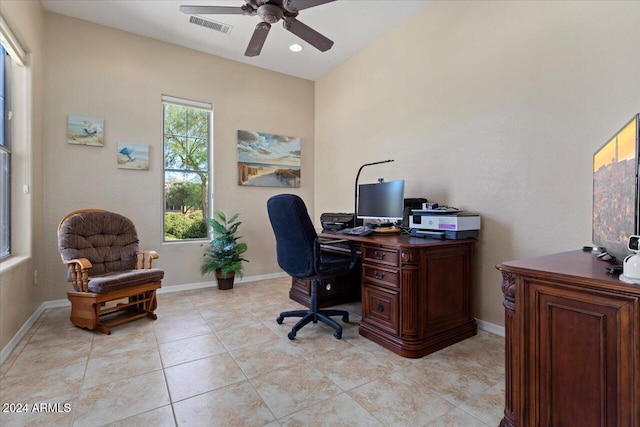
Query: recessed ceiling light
295	48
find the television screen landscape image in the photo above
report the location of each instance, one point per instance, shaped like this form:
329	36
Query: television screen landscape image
615	191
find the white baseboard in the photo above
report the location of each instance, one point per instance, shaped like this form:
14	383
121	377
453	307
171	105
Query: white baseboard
490	327
214	284
6	351
12	344
187	287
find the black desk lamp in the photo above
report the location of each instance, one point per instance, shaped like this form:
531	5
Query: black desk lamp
355	210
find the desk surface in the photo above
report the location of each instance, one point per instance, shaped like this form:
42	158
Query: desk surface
398	240
577	267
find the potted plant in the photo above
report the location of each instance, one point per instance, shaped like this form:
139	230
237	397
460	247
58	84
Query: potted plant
224	254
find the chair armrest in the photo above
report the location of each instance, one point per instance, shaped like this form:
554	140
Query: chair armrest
319	242
353	255
79	271
145	258
327	241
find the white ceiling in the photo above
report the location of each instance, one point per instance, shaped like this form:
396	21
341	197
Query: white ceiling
351	24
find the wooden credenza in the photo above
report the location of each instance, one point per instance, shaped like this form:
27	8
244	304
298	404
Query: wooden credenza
572	343
416	293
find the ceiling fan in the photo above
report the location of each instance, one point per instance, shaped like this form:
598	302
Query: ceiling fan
270	11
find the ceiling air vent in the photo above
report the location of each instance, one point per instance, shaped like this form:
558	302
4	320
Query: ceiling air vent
212	25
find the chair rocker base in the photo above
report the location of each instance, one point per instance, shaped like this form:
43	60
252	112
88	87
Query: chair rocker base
92	311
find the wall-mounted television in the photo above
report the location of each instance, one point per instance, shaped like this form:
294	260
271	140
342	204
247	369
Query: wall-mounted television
615	191
383	200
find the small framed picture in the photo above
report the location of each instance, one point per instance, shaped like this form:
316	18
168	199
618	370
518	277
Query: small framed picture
133	155
84	130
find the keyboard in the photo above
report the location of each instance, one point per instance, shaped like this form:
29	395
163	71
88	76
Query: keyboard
357	231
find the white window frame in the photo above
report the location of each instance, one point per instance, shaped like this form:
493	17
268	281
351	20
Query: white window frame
167	99
18	61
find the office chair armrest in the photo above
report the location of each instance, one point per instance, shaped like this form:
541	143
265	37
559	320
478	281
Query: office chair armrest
145	258
353	255
327	241
317	251
79	272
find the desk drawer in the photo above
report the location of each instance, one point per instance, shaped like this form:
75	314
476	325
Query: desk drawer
380	307
343	289
380	255
384	276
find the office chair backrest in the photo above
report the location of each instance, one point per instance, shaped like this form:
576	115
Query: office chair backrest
295	235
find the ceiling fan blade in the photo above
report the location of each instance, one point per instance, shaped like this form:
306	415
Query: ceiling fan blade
212	10
306	4
308	34
257	39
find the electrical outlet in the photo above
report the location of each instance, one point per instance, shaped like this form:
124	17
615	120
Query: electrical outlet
35	277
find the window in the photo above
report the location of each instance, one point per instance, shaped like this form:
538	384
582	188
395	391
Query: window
5	153
187	171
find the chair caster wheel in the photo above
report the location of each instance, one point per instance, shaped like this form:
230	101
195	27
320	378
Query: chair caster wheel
279	320
291	335
345	319
337	334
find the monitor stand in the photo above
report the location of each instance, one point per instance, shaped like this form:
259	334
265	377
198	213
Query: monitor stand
381	224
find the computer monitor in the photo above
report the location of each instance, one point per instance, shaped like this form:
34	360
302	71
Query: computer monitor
615	191
383	200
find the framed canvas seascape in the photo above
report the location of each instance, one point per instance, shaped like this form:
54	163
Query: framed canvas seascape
266	160
84	130
133	155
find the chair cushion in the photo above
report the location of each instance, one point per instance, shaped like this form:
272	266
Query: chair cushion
124	279
107	239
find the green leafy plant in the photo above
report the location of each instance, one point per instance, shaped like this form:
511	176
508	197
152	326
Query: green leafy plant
223	251
178	226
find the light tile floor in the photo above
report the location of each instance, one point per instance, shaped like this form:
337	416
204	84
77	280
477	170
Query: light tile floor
218	358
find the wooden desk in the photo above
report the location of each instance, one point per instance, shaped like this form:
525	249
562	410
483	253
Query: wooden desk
416	293
572	343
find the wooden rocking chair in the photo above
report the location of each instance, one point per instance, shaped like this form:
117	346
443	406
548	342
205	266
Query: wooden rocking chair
113	282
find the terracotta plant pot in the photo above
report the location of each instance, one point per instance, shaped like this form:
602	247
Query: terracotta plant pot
225	283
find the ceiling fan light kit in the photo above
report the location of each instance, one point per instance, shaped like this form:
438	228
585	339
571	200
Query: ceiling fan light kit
270	12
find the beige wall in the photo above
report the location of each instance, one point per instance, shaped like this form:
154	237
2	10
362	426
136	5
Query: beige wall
101	72
19	295
495	107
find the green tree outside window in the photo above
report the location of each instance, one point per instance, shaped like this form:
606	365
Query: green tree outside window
186	171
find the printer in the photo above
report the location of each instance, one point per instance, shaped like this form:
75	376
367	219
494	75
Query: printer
337	221
444	224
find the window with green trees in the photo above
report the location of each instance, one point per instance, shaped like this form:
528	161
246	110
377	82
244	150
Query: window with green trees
187	144
5	153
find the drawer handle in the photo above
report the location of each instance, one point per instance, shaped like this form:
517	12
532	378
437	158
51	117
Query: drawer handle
380	308
377	275
379	255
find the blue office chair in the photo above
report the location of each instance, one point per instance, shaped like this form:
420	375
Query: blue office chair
299	255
